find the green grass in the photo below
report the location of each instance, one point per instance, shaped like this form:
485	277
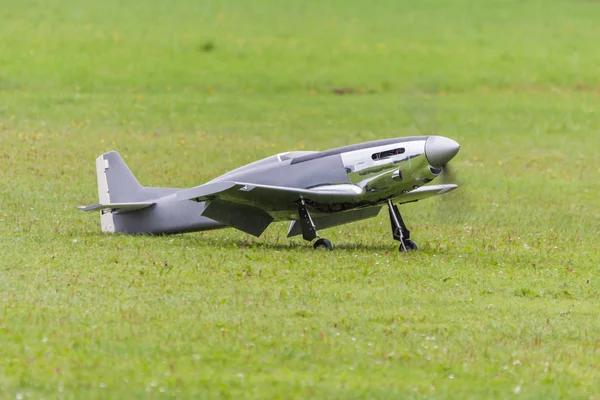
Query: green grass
501	301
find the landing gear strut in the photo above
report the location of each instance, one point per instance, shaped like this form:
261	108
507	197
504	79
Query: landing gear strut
399	230
309	232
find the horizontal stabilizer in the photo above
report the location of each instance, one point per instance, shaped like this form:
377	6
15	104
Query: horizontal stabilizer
117	207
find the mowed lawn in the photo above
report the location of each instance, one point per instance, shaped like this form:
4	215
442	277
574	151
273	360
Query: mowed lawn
501	301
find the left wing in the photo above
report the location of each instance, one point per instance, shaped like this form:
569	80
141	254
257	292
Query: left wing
266	197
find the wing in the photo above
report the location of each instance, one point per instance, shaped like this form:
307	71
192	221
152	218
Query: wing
269	198
252	207
117	207
424	192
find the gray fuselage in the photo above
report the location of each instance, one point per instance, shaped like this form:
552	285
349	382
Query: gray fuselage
379	170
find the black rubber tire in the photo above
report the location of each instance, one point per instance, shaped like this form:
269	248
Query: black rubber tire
323	244
410	246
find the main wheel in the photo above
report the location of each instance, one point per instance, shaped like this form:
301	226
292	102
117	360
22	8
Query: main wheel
323	244
409	244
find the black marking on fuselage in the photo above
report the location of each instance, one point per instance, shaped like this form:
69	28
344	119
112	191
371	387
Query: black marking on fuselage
355	147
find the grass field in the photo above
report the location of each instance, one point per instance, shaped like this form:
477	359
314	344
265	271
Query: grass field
500	302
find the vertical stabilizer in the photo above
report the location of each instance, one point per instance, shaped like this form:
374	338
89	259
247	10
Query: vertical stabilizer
116	184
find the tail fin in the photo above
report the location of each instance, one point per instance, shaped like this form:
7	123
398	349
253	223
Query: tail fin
116	183
119	192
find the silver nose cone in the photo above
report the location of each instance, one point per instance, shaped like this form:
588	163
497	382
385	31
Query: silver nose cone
439	150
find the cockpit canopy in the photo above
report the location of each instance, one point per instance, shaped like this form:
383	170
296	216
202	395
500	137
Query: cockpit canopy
290	155
278	158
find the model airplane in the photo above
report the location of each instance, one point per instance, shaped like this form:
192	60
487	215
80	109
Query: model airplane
313	189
